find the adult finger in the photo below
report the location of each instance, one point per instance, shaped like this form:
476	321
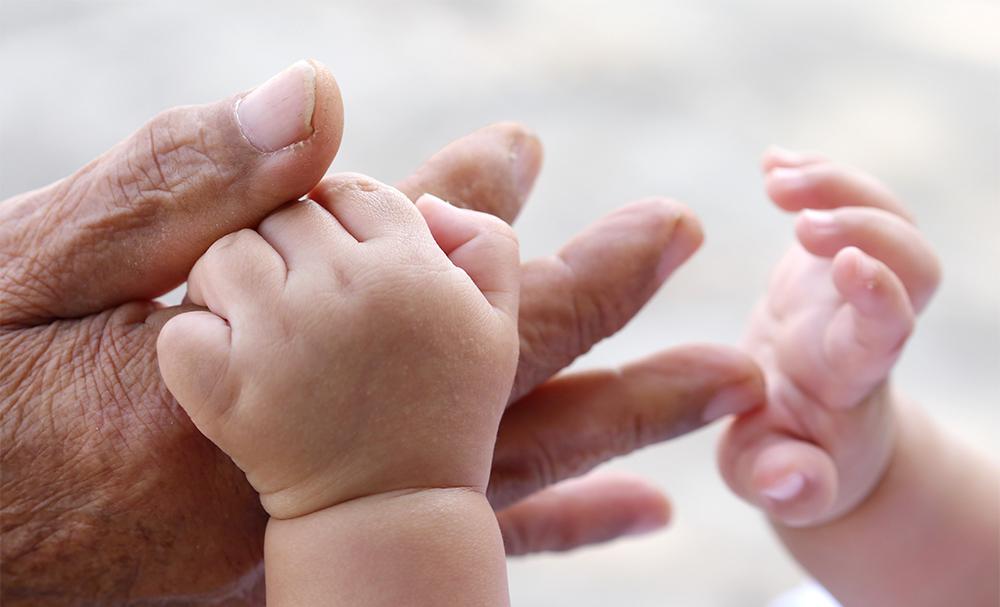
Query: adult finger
575	422
597	283
491	170
579	512
131	223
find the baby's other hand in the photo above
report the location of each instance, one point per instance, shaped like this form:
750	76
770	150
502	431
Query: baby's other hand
839	308
353	344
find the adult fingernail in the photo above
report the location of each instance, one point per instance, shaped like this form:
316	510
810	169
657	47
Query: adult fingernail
683	236
785	488
526	155
821	221
788	178
733	399
279	112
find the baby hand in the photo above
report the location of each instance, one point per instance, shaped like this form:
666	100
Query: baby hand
840	306
353	344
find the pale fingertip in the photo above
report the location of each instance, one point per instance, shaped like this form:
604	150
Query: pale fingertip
777	156
788	178
864	280
819	221
867	269
428	199
850	266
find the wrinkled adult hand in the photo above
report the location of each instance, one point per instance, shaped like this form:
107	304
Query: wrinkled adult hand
109	493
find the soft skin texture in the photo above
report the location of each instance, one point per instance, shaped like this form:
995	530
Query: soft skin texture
864	490
344	353
110	494
354	361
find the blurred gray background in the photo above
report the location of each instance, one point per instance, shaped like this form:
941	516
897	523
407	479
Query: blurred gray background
630	98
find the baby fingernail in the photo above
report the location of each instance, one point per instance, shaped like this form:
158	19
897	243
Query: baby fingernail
279	112
820	220
731	400
867	269
785	488
789	178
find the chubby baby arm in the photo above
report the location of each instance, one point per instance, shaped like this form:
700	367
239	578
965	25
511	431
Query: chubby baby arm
878	503
354	360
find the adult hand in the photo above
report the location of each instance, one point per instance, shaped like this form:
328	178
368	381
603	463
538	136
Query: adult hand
109	494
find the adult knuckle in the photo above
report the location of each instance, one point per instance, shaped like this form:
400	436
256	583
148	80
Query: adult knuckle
595	315
32	251
28	280
172	154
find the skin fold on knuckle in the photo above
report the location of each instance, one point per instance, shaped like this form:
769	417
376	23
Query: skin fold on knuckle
33	260
162	166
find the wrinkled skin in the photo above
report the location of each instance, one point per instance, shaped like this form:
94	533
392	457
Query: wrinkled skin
109	493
